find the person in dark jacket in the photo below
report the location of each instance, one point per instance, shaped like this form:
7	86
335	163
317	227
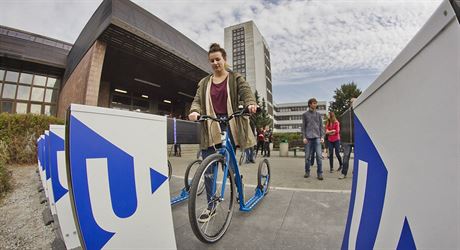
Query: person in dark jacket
347	137
260	142
267	140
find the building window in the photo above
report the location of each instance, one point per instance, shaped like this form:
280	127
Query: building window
21	108
23	93
291	109
22	88
51	95
321	107
141	105
239	63
121	102
9	91
7	107
49	109
39	80
26	78
11	76
53	82
36	108
37	94
130	101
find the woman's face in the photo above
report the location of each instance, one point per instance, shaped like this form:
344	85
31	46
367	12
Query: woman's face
217	61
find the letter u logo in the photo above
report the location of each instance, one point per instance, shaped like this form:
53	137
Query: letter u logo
102	183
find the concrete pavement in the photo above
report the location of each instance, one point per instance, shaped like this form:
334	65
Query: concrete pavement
298	213
287	172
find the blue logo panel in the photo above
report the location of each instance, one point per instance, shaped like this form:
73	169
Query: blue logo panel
47	157
87	144
377	173
156	179
40	153
56	144
406	241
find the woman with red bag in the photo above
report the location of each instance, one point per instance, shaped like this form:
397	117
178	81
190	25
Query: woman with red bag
333	134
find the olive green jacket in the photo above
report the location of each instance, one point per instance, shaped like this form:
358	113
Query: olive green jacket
239	93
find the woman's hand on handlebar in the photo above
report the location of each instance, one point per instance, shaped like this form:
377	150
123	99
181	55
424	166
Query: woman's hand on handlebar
193	116
252	109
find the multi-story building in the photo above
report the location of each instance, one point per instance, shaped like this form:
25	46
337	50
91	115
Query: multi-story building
124	58
248	54
31	69
288	116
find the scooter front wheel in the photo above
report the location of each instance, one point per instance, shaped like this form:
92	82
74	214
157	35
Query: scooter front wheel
210	215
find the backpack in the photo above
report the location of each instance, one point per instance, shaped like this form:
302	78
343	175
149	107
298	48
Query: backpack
260	137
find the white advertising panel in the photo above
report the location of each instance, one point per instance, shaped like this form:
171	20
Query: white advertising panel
49	185
41	161
118	172
406	179
60	187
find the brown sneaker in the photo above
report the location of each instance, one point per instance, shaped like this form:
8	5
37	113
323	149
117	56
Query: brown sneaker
320	177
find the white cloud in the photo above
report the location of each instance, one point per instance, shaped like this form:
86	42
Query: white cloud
306	38
62	20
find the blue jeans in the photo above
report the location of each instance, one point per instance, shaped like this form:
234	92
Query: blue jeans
346	157
312	158
334	146
209	174
249	154
313	145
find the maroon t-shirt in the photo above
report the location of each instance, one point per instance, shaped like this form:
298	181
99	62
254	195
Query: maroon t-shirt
219	97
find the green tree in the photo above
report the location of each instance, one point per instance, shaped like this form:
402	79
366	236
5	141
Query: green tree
342	98
261	119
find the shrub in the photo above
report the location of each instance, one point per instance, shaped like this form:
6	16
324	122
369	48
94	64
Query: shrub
5	175
294	139
20	133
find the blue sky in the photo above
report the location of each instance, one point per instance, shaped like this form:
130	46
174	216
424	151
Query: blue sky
315	45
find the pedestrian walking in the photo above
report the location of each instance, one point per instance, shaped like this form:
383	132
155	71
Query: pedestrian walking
348	137
260	141
177	150
333	136
312	132
267	140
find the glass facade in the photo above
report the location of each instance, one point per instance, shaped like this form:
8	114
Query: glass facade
284	127
129	101
298	108
268	76
289	109
239	55
288	117
28	92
